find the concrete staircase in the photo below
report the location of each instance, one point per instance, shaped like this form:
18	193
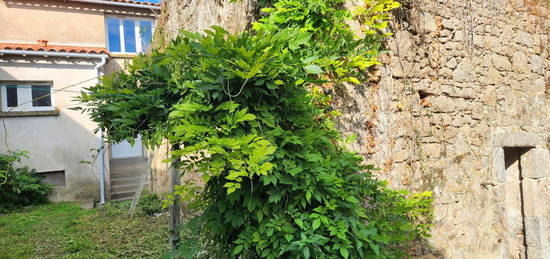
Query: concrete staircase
125	176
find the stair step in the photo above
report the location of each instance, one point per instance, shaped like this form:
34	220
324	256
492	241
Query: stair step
125	181
129	174
124	188
123	196
128	161
138	167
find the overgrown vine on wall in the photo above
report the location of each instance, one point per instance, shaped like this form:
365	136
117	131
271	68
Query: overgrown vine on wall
248	113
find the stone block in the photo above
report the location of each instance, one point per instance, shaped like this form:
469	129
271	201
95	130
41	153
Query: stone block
464	72
519	61
516	139
524	38
432	150
494	76
536	64
507	33
451	63
428	20
536	229
401	155
501	62
499	164
450	134
442	103
451	23
536	163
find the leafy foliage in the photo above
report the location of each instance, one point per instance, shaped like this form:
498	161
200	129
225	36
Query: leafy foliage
246	113
335	49
150	204
19	187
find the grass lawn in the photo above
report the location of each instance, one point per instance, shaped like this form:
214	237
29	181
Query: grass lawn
64	230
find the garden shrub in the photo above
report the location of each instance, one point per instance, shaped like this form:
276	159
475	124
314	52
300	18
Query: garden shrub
249	113
150	204
20	187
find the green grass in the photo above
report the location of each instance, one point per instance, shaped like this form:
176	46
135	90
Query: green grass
64	230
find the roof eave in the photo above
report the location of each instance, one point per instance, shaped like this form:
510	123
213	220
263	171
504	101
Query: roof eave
121	4
51	54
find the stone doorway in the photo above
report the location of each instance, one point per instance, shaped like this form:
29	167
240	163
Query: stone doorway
522	164
515	201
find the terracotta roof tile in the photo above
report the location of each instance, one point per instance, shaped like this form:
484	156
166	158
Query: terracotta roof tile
134	2
53	48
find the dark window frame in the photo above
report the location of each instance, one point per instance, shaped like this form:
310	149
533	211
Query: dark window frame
27	99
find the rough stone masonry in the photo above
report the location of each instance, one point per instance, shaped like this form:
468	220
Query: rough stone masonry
464	85
461	107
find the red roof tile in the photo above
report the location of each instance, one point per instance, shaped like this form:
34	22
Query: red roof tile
53	48
134	2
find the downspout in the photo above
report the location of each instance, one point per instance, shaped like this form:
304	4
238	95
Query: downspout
101	143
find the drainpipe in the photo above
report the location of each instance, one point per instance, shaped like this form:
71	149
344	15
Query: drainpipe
101	143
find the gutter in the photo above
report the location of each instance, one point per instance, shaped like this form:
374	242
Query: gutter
98	67
51	54
144	6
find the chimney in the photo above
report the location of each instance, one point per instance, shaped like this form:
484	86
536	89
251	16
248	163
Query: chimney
42	43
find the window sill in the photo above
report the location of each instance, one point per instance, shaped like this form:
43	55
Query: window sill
30	113
124	55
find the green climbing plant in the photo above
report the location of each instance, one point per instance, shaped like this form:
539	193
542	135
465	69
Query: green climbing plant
248	113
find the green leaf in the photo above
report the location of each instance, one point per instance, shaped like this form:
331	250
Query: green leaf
308	195
241	116
288	237
227	106
344	252
260	215
306	252
406	227
374	248
309	59
316	224
299	222
313	69
237	249
353	80
301	38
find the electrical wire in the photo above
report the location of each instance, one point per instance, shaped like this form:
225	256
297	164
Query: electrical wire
4	114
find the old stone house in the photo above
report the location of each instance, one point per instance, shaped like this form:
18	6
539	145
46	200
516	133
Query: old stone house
461	107
50	51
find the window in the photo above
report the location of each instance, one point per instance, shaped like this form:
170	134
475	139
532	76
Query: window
128	35
55	178
27	96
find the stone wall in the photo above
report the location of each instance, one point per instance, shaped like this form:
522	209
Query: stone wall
199	15
460	78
